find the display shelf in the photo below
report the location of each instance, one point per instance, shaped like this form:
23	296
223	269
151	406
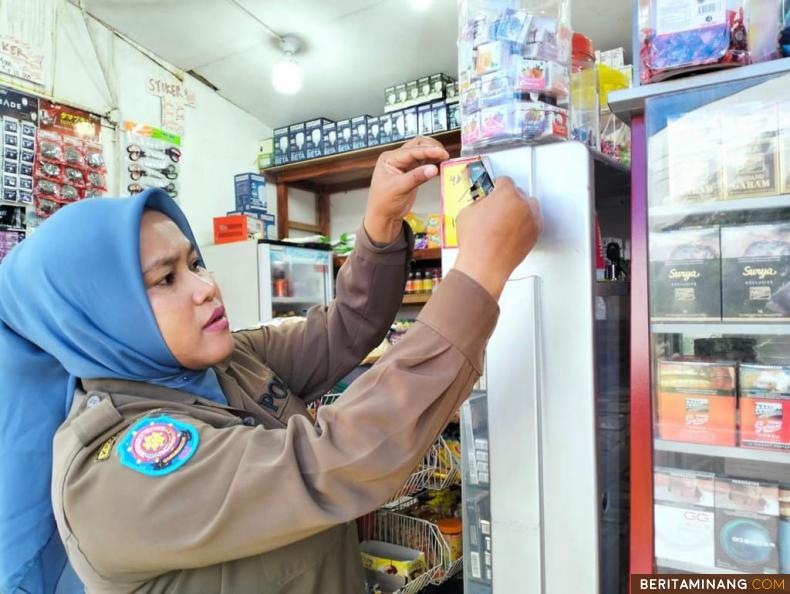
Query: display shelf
612	288
293	300
673	566
680	447
682	210
708	328
631	102
346	171
419	255
416	299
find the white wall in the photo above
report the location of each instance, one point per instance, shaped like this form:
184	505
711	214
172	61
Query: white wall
347	209
219	140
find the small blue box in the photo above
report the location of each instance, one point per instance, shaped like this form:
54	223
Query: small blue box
250	191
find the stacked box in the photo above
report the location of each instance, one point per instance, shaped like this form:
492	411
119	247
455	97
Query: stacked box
424	120
329	139
751	158
297	142
398	126
374	130
684	517
685	275
265	153
250	191
697	402
765	406
439	116
385	128
756	272
314	137
747	525
343	136
410	122
359	132
282	145
453	116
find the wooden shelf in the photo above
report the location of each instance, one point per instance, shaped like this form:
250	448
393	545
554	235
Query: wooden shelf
347	171
416	299
429	254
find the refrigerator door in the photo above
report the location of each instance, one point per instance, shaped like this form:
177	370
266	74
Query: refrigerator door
235	269
295	278
541	388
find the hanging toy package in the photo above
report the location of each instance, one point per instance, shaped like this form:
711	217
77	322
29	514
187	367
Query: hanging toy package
152	158
513	72
682	36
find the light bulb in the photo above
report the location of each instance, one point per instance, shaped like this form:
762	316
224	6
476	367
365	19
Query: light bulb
420	5
287	76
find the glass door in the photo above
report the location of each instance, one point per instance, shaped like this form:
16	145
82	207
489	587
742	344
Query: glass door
719	273
300	279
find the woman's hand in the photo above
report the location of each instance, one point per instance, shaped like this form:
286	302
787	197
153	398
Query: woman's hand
393	188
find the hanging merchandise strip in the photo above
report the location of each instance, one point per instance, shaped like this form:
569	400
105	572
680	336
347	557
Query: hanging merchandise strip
152	157
69	163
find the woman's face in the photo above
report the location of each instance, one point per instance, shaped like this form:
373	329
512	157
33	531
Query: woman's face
185	300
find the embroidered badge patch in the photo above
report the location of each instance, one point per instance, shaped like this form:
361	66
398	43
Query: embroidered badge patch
159	445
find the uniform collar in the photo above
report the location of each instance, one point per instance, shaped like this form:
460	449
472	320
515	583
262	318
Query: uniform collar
142	389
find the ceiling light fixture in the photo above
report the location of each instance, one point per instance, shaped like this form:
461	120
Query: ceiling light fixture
287	73
420	5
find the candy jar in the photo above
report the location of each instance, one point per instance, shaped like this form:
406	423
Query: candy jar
513	72
615	134
584	92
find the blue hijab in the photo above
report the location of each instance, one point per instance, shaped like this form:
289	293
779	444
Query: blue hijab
72	305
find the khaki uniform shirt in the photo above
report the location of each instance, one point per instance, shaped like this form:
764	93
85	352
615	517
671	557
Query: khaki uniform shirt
267	501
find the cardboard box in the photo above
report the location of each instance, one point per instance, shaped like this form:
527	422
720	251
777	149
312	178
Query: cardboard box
751	155
439	116
398	126
453	116
374	131
685	275
385	128
412	94
756	272
410	122
747	525
697	402
359	132
765	406
297	139
250	191
684	517
440	84
282	145
329	139
425	120
390	99
314	137
343	136
268	221
695	158
402	96
265	153
452	92
424	85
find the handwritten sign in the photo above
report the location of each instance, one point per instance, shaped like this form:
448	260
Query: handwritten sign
21	60
174	90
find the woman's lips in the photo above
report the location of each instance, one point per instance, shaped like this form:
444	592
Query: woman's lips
217	321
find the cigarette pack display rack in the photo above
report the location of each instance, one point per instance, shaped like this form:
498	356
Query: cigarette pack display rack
710	383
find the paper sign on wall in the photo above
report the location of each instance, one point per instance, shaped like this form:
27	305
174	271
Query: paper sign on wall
26	41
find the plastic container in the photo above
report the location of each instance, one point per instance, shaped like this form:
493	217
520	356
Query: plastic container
452	529
513	72
682	36
585	125
615	136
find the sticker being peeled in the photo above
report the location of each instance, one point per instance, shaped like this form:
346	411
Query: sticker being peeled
159	445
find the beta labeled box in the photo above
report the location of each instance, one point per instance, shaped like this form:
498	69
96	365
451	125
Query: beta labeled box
684	509
343	136
314	137
282	145
250	191
329	139
697	402
359	132
296	134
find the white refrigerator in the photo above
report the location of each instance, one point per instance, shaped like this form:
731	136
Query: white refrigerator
531	497
264	279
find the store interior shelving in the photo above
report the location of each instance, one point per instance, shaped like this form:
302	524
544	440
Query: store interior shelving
683	210
719	328
713	451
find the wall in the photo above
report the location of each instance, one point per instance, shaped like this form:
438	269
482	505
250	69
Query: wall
219	141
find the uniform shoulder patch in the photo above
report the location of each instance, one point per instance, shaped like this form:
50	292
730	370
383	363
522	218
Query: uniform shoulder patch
158	445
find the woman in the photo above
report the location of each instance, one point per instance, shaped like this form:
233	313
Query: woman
184	459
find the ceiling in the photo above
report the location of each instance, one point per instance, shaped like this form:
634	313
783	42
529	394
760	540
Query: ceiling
354	48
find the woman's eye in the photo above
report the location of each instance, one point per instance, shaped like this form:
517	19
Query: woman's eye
167	280
197	265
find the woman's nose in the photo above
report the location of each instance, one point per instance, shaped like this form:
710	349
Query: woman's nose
205	287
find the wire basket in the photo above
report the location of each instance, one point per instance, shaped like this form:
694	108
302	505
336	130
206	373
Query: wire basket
414	533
